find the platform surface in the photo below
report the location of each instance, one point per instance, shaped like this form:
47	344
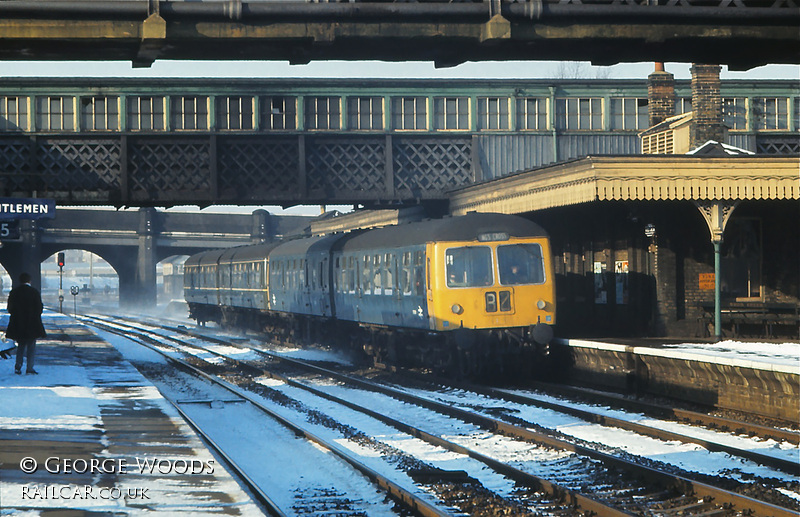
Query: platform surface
771	356
90	435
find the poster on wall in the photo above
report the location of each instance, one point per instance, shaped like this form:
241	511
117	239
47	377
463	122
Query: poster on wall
621	277
600	289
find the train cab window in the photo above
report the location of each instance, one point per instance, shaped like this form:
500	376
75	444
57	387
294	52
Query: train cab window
470	266
520	264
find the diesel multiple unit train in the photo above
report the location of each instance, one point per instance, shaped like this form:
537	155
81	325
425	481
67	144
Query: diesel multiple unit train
472	293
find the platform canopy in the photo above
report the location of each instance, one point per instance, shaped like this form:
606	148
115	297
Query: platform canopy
641	178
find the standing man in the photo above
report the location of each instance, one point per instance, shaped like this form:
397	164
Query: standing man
25	321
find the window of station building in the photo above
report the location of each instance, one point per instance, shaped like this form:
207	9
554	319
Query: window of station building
629	113
189	113
323	113
365	113
734	112
770	113
100	113
278	113
683	105
797	113
145	113
493	113
741	259
531	113
584	113
410	113
451	113
234	113
13	113
55	113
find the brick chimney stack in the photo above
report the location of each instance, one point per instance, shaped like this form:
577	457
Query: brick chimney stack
660	95
706	105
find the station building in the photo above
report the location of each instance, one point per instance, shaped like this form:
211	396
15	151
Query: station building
633	236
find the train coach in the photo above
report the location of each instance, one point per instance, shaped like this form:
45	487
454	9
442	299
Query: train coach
469	293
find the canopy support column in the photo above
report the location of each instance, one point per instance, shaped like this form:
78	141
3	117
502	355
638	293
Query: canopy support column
716	214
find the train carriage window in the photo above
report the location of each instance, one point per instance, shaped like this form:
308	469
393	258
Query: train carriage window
419	281
469	266
390	287
377	277
405	280
366	277
351	276
520	264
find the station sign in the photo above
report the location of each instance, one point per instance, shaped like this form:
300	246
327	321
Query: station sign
26	208
706	281
9	230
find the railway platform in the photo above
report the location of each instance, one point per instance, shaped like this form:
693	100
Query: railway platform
760	378
89	435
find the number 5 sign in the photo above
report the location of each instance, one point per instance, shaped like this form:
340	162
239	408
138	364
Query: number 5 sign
9	230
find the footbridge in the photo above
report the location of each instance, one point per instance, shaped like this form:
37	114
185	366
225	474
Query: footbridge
134	241
739	33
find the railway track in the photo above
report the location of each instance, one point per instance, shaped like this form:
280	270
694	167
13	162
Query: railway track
620	478
333	498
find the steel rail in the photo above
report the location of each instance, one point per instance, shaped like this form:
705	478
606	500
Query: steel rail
260	495
791	467
571	497
395	491
669	412
685	485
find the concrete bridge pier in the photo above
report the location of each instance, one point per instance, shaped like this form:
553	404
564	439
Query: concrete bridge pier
137	279
29	259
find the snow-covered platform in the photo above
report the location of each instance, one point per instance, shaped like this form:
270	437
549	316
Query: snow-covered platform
91	434
762	378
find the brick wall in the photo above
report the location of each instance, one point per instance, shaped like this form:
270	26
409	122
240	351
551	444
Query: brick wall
660	96
706	105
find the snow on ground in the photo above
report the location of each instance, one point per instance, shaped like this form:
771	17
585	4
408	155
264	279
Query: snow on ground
772	353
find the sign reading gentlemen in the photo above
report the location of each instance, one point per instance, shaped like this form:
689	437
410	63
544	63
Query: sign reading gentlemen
21	208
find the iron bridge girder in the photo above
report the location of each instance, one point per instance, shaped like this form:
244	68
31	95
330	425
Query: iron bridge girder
447	33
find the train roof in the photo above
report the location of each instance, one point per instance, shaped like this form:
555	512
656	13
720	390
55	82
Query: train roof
306	245
248	253
204	258
459	228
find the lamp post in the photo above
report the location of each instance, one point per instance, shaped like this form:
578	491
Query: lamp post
61	262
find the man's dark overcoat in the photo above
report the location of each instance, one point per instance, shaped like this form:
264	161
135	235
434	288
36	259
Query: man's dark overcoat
25	314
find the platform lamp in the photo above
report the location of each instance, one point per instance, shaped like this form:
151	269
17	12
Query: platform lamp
60	261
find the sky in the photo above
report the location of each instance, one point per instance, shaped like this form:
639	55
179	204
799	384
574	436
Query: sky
351	69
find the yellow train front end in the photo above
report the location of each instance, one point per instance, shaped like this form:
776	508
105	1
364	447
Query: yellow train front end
496	282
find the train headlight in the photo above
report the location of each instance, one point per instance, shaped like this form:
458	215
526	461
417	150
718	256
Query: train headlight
541	304
457	309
